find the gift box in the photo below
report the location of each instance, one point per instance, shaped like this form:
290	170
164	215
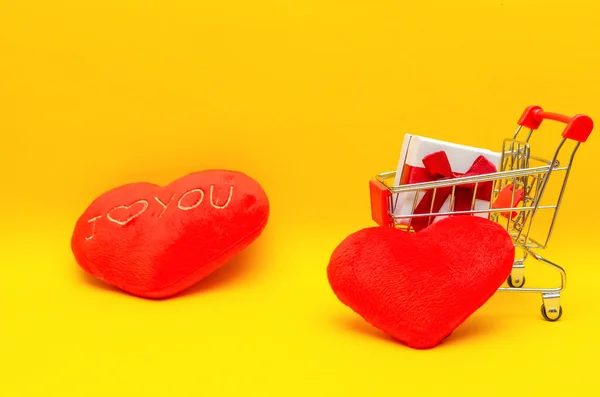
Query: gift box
425	159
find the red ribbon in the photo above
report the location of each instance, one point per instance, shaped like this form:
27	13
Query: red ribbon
437	167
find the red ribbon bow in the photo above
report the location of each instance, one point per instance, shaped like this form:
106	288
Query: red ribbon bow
437	167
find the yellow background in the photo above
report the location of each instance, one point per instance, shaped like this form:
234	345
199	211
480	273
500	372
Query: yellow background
311	98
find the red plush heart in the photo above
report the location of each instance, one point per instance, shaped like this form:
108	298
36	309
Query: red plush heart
419	287
155	241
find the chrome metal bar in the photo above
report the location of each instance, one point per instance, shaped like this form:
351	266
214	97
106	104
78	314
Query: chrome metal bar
490	210
563	277
477	178
563	273
415	201
462	180
535	242
542	189
516	134
430	219
562	192
395	204
512	157
529	135
391	205
474	196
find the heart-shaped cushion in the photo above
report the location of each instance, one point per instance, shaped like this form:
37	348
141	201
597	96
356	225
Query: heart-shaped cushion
156	241
420	287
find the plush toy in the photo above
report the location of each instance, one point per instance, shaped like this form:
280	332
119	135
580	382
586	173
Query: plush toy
420	287
156	241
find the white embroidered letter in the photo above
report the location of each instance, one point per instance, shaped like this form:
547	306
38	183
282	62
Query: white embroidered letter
93	222
163	204
197	203
127	207
212	188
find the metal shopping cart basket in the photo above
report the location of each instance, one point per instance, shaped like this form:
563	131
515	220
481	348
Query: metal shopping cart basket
518	188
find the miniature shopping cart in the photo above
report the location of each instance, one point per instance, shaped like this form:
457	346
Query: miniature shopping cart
516	197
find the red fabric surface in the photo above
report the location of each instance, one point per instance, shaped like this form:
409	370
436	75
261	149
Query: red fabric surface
154	241
420	287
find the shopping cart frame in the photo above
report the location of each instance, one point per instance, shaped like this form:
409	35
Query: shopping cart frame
518	173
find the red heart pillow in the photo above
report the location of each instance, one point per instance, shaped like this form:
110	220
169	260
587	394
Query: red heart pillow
154	241
419	287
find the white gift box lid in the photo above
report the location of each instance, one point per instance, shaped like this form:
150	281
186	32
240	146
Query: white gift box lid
461	157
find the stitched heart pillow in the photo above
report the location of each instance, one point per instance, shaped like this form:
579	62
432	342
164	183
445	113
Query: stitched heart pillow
420	287
156	241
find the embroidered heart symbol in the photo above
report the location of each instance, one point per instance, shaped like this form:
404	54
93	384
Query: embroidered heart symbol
420	287
156	241
123	214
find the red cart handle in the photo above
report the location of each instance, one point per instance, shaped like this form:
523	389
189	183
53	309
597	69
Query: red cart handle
579	127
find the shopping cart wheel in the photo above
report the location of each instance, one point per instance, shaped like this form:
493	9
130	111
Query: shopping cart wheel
551	308
518	282
554	315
